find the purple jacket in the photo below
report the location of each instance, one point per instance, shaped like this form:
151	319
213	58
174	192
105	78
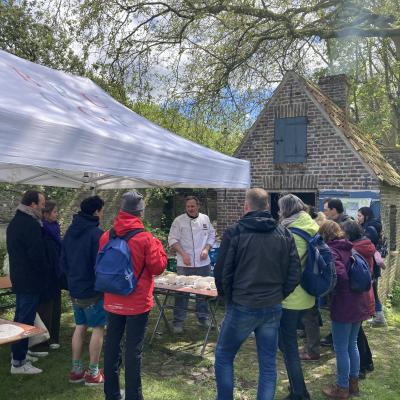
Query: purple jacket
346	306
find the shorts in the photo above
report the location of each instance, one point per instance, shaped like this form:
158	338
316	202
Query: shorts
92	316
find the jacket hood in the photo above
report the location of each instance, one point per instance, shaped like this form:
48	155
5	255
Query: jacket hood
81	222
261	221
125	222
365	247
342	245
305	223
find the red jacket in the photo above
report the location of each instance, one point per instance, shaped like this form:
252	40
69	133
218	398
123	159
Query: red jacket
145	250
366	248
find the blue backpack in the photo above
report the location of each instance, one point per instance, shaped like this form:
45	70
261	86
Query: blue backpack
114	267
319	275
359	273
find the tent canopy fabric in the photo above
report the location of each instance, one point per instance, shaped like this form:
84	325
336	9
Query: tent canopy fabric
57	129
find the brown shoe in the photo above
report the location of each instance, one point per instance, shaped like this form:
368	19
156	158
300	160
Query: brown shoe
336	392
353	387
308	357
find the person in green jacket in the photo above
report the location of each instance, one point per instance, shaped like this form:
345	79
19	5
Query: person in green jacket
293	213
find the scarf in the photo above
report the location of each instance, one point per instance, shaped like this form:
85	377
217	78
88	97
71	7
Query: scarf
289	220
53	229
34	213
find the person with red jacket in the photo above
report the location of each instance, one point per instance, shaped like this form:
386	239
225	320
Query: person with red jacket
130	313
365	247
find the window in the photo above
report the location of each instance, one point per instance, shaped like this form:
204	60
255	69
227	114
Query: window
290	140
393	228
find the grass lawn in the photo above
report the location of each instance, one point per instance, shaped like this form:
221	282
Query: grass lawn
172	369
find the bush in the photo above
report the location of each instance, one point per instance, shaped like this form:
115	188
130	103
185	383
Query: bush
3	252
395	294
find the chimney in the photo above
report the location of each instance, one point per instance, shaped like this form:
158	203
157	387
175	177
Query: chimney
336	87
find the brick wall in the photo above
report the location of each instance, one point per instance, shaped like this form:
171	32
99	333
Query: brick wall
393	155
331	162
337	88
390	196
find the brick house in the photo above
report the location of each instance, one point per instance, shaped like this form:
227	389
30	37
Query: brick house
303	142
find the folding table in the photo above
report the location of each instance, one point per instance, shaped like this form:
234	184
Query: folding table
211	296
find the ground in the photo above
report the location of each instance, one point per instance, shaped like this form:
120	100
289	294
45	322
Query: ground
173	369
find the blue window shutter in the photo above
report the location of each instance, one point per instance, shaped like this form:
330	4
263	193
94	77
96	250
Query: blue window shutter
279	140
290	140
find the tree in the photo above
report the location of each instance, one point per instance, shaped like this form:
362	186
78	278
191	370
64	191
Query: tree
227	55
25	32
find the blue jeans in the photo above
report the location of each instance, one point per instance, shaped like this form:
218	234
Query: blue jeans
134	327
182	300
347	356
290	350
25	312
238	323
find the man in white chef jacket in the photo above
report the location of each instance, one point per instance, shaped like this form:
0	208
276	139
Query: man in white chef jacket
191	236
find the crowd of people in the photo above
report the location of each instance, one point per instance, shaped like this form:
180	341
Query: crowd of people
258	275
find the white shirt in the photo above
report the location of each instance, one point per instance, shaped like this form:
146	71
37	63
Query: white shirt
193	234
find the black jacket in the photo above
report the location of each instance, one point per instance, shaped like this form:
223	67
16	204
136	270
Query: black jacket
53	254
25	246
258	265
79	251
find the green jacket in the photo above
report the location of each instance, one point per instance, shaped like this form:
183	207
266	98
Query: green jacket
300	299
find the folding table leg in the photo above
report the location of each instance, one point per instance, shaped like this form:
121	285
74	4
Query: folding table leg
161	307
213	322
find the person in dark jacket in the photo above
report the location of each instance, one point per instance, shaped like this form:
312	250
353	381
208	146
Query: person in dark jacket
373	230
348	309
258	267
49	308
79	251
28	269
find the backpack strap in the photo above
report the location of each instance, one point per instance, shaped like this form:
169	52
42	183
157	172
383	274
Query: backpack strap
305	236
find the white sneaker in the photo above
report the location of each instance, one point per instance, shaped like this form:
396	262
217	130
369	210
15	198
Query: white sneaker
26	369
31	358
38	353
54	346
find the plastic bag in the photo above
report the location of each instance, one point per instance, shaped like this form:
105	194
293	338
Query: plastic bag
42	337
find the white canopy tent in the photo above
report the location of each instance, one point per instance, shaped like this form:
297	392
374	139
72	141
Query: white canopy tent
57	129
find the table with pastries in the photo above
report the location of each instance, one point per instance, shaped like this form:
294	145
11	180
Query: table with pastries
179	285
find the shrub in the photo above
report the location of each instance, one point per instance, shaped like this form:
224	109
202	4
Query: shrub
395	294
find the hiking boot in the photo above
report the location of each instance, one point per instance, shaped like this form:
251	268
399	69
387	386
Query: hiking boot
26	369
76	377
336	392
354	390
38	353
91	380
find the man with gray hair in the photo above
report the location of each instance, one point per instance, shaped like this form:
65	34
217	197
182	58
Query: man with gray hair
258	266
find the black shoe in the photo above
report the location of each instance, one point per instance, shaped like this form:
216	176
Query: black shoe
327	341
370	367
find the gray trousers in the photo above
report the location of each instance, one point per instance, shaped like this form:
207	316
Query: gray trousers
181	301
310	319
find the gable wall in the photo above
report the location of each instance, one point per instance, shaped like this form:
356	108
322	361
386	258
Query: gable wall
331	163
